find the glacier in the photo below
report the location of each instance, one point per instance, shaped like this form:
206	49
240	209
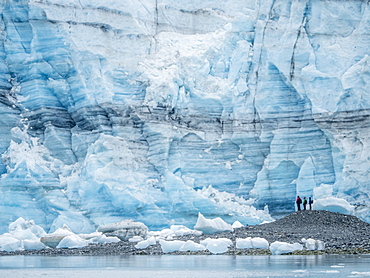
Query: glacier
159	110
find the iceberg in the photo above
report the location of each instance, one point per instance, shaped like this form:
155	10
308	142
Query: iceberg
212	226
145	243
159	110
249	242
190	245
278	248
217	245
53	239
171	246
312	244
73	241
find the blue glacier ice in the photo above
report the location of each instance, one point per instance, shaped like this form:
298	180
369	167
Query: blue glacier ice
159	110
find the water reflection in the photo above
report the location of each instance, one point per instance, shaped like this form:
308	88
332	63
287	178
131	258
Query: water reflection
169	261
199	266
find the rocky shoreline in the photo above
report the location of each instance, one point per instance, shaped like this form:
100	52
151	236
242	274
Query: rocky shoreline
342	234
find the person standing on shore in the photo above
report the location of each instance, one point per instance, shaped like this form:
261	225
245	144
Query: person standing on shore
310	202
304	203
298	202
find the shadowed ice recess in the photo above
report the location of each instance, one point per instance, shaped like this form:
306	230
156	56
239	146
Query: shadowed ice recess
159	110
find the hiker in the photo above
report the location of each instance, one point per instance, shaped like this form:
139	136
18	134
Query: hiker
310	202
298	202
304	203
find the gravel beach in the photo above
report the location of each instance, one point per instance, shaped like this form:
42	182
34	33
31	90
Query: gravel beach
342	234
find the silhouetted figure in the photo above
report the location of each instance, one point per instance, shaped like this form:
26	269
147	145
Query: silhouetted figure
298	202
310	202
304	203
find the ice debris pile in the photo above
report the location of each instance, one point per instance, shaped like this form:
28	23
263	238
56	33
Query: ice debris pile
157	110
26	235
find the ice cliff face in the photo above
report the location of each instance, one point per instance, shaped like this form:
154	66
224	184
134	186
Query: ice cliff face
158	110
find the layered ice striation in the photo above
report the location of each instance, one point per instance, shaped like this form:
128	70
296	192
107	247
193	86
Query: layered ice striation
159	110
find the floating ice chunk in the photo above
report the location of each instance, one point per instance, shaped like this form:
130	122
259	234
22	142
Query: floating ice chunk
192	246
73	241
211	226
256	242
278	248
170	246
360	273
334	205
145	243
237	225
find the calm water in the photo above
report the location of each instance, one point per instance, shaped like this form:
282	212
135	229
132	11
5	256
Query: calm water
186	266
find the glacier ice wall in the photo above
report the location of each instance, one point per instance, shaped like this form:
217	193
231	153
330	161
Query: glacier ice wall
158	110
